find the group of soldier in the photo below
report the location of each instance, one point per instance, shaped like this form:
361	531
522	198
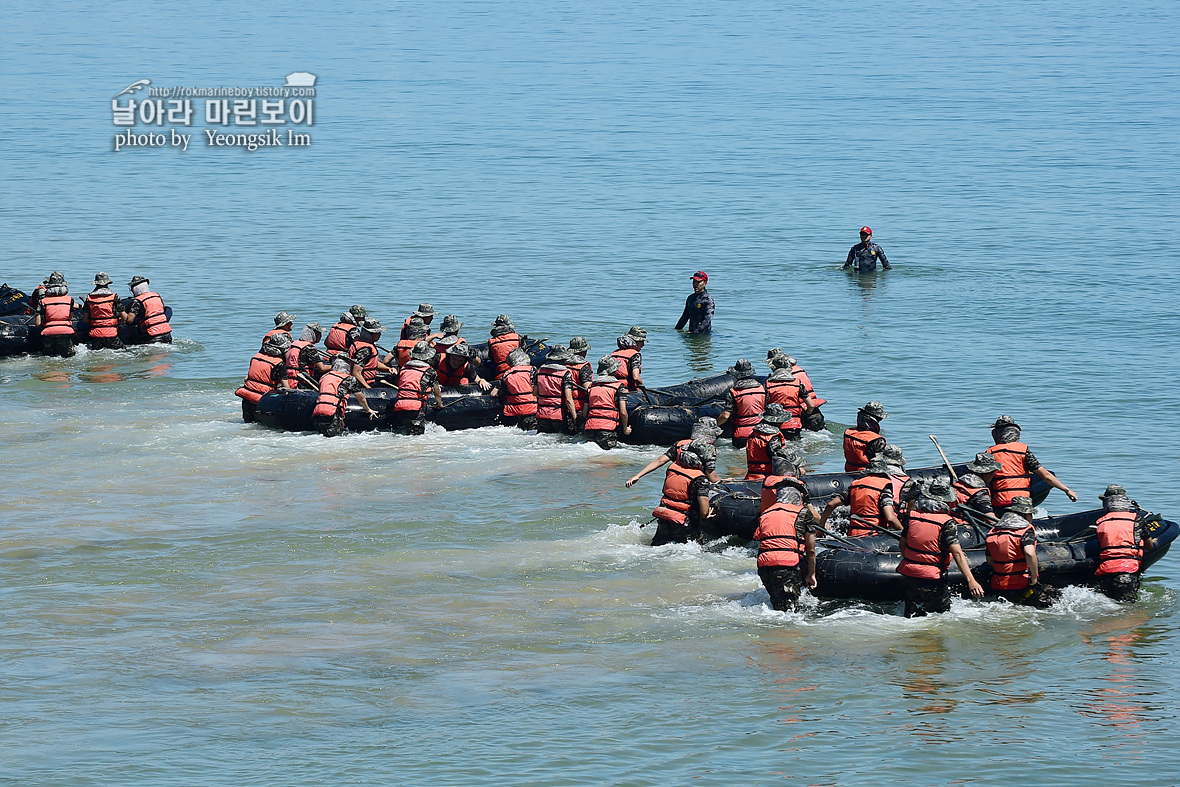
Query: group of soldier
101	313
562	395
994	495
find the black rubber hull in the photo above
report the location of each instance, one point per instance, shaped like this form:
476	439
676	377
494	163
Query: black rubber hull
19	335
664	416
1065	557
464	408
737	506
670	419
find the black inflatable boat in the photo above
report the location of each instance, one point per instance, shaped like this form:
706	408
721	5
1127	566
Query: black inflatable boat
737	501
19	335
1067	554
660	416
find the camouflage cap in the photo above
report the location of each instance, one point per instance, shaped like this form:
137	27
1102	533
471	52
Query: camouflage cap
706	428
519	357
558	353
424	310
459	350
608	364
451	324
278	342
578	344
874	409
348	318
878	465
781	464
1022	505
625	342
893	453
938	489
284	318
704	449
312	332
1005	420
446	341
983	463
138	280
55	279
102	280
1113	490
637	333
502	319
341	363
373	326
309	354
422	352
742	369
776	414
416	329
358	312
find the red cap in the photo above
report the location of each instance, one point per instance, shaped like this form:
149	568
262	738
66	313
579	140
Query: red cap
866	230
701	276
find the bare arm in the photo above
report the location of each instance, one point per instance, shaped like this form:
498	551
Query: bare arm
1034	571
1052	481
622	405
974	587
832	505
360	397
438	395
721	419
659	461
890	517
809	548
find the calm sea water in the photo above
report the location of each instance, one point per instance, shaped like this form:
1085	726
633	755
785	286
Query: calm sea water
185	599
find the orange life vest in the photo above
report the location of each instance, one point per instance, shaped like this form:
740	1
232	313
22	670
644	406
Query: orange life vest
1011	480
899	481
402	350
786	393
778	540
330	402
749	404
410	396
369	373
259	378
758	455
769	491
104	322
58	310
802	377
624	356
1009	565
550	396
604	412
921	555
674	504
337	340
856	444
291	359
581	396
1117	551
519	398
450	377
152	321
863	497
964	493
498	349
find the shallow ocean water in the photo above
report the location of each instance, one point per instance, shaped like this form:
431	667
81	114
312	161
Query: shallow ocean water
185	598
